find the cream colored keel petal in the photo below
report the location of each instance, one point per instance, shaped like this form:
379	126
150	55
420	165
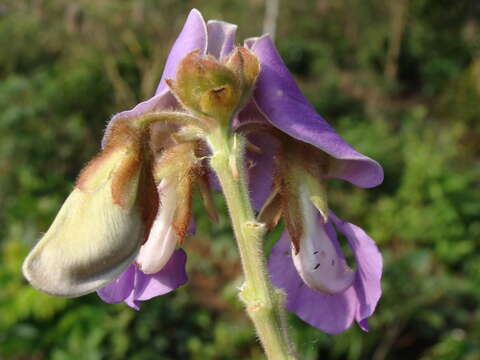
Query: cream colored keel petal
89	244
162	240
318	263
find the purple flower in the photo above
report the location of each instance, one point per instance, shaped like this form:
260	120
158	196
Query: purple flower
134	205
297	150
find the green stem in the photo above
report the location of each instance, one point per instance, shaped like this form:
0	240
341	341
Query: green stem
264	303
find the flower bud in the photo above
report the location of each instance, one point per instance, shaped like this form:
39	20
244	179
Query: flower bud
215	89
206	87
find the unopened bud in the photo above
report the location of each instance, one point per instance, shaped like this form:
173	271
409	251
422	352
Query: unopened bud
206	87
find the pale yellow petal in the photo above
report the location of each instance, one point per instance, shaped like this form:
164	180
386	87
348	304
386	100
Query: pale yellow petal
91	241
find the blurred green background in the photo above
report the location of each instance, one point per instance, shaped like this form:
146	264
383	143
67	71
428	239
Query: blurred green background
400	80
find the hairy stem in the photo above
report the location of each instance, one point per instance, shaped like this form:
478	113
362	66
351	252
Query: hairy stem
264	303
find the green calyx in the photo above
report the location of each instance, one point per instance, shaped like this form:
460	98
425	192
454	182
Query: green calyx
209	88
318	194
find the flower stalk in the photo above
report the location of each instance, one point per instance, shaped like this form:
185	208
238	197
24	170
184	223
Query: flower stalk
263	302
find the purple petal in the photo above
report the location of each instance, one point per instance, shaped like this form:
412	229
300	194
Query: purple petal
133	286
280	99
329	313
119	289
249	42
369	268
192	37
221	38
130	301
172	276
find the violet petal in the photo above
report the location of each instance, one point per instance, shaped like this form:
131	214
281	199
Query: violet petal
280	99
192	37
221	38
172	276
119	289
133	286
369	268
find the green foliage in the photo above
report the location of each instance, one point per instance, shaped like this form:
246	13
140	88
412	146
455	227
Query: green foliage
66	67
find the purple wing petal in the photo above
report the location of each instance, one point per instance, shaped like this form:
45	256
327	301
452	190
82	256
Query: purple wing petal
221	38
133	286
172	276
193	36
329	313
119	289
369	268
130	301
280	99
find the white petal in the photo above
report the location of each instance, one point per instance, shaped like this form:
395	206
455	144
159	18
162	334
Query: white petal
162	240
91	241
318	263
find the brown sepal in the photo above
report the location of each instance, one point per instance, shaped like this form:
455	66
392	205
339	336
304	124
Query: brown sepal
123	133
84	178
122	137
177	159
271	211
183	212
290	200
121	184
148	198
129	177
206	194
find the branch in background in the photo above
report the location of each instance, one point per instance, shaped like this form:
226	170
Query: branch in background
152	73
271	15
150	67
399	16
123	94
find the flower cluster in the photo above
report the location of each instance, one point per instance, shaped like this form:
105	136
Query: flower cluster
119	231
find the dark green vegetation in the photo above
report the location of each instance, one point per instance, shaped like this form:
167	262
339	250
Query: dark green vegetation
400	80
